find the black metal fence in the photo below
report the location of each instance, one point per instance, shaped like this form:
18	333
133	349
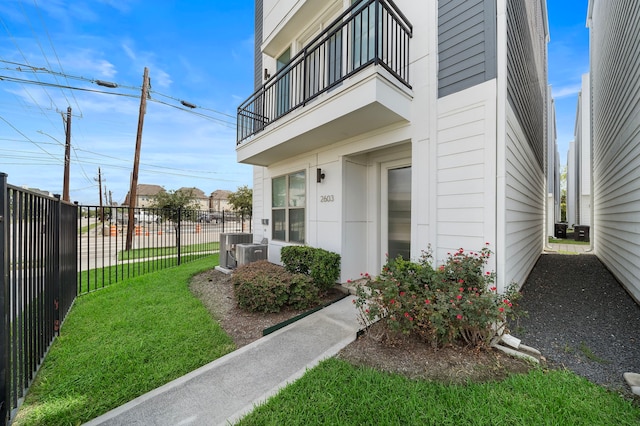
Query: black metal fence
38	249
369	32
111	250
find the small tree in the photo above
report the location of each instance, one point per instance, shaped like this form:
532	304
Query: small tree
172	202
242	200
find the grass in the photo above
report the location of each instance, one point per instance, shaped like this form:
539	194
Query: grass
134	336
148	252
94	279
586	351
122	342
567	241
338	393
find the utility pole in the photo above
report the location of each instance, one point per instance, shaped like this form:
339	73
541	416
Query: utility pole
100	192
67	157
136	160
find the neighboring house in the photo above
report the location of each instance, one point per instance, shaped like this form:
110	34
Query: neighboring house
572	186
145	195
553	169
198	195
384	128
615	137
579	163
219	200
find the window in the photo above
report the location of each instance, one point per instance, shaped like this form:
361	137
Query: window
288	200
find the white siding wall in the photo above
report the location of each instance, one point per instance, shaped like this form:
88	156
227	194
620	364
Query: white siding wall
525	193
615	84
572	187
260	231
583	138
466	170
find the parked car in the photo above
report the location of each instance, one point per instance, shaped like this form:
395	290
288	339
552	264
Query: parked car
145	217
205	218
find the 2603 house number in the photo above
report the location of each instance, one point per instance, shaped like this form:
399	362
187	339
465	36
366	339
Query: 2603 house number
326	198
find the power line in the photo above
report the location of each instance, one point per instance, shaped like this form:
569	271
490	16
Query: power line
26	137
114	85
55	52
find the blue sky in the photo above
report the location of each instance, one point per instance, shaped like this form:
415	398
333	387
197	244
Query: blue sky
197	51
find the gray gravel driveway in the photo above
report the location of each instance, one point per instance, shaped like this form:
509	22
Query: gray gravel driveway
581	318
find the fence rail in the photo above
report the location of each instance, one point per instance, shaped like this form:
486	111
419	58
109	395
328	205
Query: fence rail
38	248
160	238
52	251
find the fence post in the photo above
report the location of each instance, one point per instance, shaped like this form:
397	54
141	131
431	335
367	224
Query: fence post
4	304
178	233
57	285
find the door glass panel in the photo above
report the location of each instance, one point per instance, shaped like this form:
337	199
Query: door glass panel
399	212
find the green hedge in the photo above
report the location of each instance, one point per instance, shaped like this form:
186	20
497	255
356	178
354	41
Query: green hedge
321	265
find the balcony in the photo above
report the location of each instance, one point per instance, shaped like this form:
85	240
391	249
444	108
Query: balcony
352	78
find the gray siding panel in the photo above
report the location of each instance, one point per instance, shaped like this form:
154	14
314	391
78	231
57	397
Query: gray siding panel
466	44
257	51
526	73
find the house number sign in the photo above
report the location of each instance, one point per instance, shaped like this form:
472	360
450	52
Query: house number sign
326	198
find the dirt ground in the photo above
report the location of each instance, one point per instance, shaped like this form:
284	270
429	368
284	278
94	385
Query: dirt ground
409	357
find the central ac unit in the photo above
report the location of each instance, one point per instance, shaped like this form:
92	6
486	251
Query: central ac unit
247	253
228	247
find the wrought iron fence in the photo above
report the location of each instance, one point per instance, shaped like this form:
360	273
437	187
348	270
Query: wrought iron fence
369	32
38	248
113	248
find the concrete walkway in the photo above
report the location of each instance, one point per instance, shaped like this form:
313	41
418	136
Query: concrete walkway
568	248
222	391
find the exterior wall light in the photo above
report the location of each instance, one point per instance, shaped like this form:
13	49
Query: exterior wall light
319	175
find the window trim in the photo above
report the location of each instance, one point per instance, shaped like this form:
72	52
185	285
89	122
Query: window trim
287	208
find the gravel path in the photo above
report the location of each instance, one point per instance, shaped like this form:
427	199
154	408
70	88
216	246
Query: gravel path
581	318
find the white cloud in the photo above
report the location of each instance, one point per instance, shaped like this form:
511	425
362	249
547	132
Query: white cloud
565	91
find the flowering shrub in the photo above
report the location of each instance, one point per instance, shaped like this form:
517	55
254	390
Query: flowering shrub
455	301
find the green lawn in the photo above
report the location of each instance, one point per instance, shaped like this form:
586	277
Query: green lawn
121	342
337	393
138	334
148	252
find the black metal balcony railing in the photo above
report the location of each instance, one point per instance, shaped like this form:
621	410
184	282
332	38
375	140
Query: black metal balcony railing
369	32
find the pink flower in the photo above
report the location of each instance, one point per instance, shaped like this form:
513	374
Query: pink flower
461	289
501	309
494	288
488	273
459	296
392	301
459	316
427	301
406	314
402	293
441	268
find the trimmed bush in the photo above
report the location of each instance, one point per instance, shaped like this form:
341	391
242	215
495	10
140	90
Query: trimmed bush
264	287
321	265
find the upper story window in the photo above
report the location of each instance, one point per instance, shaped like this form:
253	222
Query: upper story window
288	201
